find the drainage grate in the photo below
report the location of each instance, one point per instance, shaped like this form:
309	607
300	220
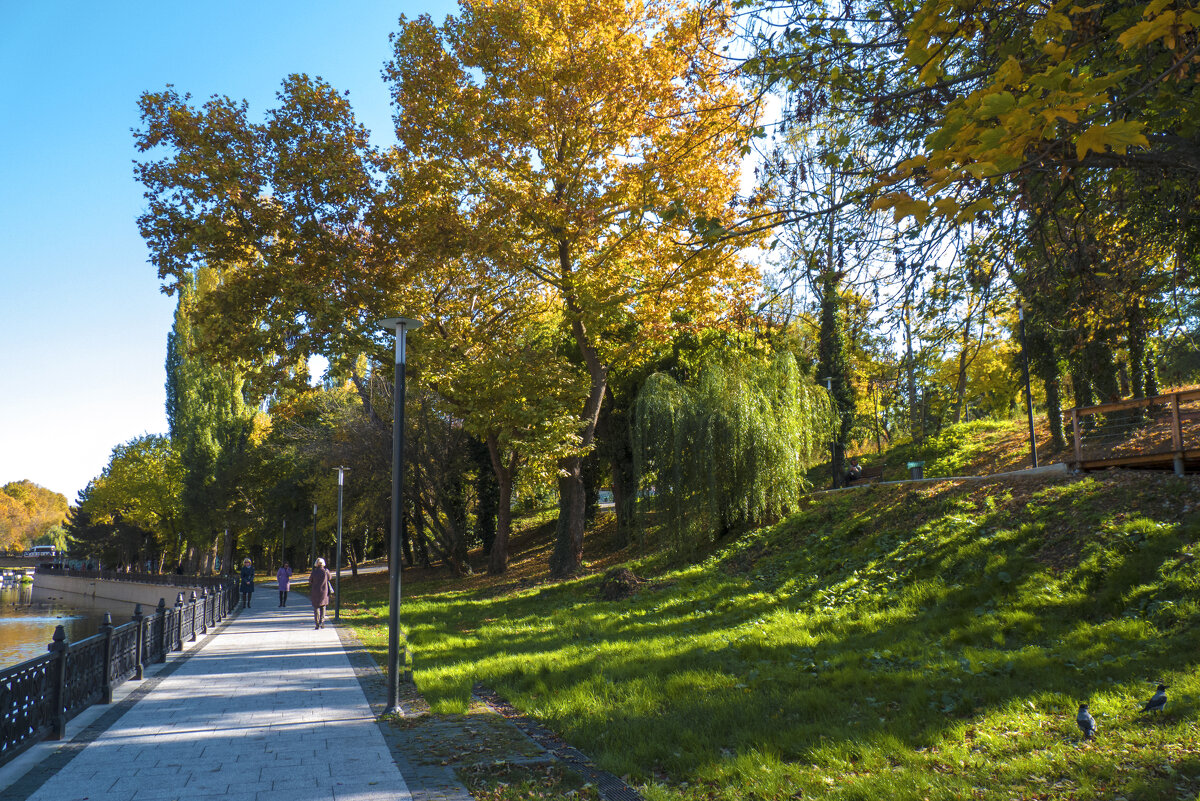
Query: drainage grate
610	786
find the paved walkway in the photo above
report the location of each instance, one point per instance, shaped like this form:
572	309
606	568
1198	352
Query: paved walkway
268	710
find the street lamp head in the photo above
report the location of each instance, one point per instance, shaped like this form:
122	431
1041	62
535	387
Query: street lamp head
394	323
401	325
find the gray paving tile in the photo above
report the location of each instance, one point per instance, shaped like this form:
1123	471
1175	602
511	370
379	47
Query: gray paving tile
258	714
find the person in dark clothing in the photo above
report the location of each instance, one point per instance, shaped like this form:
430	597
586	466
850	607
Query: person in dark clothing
319	590
854	473
247	583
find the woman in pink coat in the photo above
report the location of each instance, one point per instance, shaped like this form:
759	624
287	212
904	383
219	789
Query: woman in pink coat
284	576
319	591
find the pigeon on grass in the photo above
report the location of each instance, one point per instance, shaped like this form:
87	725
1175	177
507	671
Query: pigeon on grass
1157	701
1087	723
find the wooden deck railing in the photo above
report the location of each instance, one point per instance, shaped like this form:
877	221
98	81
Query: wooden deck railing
1162	432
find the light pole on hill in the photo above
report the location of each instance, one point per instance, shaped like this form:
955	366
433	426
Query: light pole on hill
834	446
1028	394
401	326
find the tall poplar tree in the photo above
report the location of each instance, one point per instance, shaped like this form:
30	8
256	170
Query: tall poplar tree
209	425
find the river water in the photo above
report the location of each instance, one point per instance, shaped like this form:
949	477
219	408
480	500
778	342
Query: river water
28	620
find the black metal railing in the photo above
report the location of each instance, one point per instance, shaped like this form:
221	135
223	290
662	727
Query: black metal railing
39	696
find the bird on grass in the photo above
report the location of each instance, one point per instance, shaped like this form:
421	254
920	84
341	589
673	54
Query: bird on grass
1087	723
1157	701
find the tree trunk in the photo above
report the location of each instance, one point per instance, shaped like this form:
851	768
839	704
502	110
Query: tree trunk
591	488
419	546
960	388
1151	373
1136	338
568	547
1081	383
625	488
486	495
1054	413
1102	370
498	558
916	419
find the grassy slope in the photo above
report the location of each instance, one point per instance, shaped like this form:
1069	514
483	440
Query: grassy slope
887	642
981	447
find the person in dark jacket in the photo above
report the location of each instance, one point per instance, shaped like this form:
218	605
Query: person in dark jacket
247	583
319	590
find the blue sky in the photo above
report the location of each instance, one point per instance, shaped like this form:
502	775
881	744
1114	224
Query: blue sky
83	325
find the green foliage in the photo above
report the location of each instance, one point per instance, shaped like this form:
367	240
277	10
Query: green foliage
728	449
210	423
140	490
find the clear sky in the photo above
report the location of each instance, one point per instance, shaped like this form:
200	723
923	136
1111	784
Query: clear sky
83	326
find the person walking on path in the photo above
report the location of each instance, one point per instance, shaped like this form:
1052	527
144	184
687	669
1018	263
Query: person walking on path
284	577
247	583
319	591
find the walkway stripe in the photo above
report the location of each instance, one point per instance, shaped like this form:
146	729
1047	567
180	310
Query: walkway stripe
268	710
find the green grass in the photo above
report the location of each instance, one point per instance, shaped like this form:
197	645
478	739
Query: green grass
890	643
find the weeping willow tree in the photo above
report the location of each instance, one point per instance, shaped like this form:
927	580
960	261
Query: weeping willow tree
728	450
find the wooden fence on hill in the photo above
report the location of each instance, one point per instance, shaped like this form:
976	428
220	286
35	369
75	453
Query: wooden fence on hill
1161	433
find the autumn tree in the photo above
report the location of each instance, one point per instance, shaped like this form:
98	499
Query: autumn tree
601	144
28	512
277	210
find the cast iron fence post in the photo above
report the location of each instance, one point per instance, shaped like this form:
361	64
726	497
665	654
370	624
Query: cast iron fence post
193	604
162	629
204	611
139	620
106	628
58	647
178	622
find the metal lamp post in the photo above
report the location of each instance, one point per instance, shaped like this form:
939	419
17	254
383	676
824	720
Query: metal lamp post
313	550
1028	394
337	560
401	325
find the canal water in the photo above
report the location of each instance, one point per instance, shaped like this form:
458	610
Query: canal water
28	620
